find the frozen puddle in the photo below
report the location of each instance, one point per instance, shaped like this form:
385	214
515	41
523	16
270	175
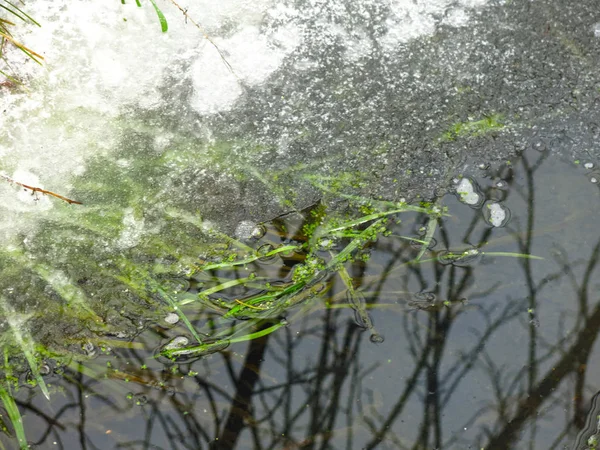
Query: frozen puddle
121	59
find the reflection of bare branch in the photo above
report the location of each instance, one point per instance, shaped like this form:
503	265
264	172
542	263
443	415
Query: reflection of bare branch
571	362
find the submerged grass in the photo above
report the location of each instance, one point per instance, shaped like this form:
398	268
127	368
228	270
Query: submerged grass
231	304
14	415
25	343
338	240
322	254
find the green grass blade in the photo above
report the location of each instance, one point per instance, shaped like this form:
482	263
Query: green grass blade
15	416
161	17
12	79
31	19
460	255
179	312
512	255
24	342
219	344
244	261
355	244
431	227
220	287
359	221
14	13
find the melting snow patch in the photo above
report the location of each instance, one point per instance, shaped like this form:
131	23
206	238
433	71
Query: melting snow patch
253	57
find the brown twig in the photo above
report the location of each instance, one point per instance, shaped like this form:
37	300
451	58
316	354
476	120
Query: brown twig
34	189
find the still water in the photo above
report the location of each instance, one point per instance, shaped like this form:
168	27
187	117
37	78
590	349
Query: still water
493	352
256	262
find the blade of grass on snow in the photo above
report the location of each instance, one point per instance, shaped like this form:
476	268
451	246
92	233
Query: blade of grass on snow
161	17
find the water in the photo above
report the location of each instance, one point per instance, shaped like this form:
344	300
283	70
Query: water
497	352
332	110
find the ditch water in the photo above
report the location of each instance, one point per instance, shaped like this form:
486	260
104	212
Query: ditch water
491	351
300	225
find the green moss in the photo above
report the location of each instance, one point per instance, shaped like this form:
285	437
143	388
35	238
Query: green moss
473	128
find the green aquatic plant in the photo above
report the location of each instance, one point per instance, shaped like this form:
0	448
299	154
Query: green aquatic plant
241	318
14	415
324	250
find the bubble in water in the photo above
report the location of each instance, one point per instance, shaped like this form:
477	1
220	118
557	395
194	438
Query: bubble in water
426	296
594	179
172	318
468	193
258	231
245	229
496	214
589	165
176	284
264	250
376	338
140	399
596	29
538	145
177	342
89	349
45	369
483	166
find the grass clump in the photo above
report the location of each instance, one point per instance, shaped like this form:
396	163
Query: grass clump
318	256
10	16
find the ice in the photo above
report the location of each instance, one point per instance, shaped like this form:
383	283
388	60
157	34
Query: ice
133	227
105	59
410	19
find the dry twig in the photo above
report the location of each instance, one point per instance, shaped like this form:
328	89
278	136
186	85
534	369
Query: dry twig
207	37
34	190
